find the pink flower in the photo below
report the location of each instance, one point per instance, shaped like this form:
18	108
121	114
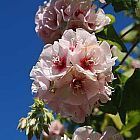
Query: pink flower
76	40
87	52
45	136
76	93
56	131
55	17
86	132
39	75
111	133
96	21
52	64
76	47
55	59
72	75
56	128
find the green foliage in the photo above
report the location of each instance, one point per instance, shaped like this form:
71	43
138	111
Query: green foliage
112	107
133	33
133	118
126	98
112	18
36	121
120	5
132	121
132	92
137	10
126	70
131	95
131	7
110	35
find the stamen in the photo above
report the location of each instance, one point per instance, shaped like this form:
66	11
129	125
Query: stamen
76	84
59	63
87	63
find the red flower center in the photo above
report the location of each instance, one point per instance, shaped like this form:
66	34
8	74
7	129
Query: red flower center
78	12
59	63
87	63
76	83
77	86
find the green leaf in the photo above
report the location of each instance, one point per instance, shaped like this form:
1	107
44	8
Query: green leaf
122	114
112	18
137	10
110	35
37	120
132	92
112	106
131	95
133	119
117	121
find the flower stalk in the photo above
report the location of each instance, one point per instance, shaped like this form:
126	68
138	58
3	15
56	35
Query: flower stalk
129	52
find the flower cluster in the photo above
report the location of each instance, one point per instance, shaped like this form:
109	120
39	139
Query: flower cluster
56	130
87	133
82	133
72	74
56	16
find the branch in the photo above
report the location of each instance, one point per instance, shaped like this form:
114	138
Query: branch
128	31
134	45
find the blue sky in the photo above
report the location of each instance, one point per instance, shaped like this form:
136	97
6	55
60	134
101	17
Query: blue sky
19	50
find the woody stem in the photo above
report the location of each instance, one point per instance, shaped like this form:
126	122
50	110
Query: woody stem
132	48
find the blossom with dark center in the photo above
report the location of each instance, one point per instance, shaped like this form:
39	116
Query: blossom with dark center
76	93
87	63
72	74
59	63
86	51
56	59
